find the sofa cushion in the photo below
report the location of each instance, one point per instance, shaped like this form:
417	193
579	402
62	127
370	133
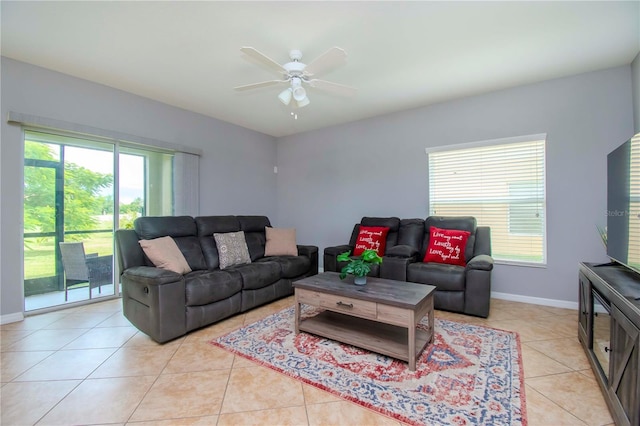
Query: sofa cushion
192	251
209	225
447	246
181	228
464	223
253	227
291	266
150	227
411	233
165	254
258	274
280	242
393	223
445	277
232	249
204	287
371	238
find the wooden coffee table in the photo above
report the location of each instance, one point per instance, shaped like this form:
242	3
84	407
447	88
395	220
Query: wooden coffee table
380	316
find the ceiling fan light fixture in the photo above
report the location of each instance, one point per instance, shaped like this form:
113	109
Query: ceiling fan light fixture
299	93
285	96
303	102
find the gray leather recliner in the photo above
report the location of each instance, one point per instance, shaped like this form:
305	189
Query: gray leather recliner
464	289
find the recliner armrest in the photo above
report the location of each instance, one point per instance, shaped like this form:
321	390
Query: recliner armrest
307	251
481	262
331	257
336	250
312	253
151	276
401	250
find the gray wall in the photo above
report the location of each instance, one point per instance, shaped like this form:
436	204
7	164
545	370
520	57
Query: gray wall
328	179
236	168
635	82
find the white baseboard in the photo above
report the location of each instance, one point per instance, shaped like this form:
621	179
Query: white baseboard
9	318
535	300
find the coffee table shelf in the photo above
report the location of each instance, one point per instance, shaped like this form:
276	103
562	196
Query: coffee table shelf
378	337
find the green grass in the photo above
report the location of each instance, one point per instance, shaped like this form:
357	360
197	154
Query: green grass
39	253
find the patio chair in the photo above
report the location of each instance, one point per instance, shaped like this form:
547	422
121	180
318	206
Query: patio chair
79	268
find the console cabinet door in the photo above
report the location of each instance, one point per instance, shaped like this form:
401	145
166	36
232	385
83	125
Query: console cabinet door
585	303
625	367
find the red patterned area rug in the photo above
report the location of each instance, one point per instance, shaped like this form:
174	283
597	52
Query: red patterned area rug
469	375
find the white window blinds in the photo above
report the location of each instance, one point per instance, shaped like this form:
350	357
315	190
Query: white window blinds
501	184
633	255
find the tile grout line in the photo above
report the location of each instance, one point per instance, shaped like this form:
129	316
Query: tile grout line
557	405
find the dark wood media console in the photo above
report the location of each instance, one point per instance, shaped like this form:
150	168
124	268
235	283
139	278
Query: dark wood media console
609	330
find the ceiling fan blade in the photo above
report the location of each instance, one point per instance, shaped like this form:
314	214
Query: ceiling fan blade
338	89
258	85
329	59
263	59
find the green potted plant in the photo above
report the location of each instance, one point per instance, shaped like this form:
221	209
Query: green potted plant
359	268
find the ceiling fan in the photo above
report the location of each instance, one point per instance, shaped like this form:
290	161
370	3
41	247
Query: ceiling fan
297	74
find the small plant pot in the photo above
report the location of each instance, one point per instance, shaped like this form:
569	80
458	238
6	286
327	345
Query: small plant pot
360	280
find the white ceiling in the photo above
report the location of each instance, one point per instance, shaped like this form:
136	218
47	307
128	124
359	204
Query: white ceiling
401	55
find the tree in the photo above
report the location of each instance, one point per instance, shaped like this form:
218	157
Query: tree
81	193
133	207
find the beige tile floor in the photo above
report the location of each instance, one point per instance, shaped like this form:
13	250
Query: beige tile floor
88	365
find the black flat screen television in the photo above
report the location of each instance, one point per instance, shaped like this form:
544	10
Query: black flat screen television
623	204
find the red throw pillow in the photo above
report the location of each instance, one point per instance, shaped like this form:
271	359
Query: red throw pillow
447	246
371	238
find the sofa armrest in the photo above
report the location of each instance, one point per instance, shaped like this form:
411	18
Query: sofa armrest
151	275
477	294
331	255
154	300
307	251
336	250
401	250
395	268
481	262
312	253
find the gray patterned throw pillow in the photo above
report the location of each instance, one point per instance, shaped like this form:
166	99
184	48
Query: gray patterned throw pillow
232	249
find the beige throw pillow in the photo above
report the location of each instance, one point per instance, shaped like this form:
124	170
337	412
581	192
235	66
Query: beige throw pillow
165	254
280	242
232	249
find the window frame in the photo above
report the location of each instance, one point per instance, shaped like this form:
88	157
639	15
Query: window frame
496	142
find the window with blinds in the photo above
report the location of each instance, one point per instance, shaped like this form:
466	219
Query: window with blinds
633	255
500	183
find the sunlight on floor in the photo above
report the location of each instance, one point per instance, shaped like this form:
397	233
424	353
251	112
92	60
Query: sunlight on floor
56	298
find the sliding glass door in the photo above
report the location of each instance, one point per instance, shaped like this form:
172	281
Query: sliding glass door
70	212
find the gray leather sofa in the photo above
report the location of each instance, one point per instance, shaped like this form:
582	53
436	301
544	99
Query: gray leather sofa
165	304
464	289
